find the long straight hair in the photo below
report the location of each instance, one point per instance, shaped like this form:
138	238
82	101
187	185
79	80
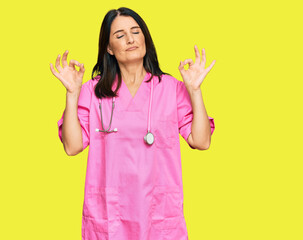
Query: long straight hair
107	66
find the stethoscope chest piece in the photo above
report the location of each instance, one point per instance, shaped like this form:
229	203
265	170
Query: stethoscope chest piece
149	138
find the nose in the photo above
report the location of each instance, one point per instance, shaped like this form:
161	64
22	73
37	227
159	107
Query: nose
130	38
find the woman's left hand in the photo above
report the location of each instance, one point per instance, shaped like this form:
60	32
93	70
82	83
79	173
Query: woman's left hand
195	74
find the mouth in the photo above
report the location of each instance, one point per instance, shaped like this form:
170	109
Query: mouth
132	48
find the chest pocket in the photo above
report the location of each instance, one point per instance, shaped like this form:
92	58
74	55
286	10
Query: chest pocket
166	134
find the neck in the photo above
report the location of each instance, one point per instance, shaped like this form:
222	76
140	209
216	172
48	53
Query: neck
132	73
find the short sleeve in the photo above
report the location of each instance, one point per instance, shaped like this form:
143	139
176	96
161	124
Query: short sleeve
83	114
185	112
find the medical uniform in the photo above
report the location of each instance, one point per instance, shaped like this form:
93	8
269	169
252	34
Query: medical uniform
134	191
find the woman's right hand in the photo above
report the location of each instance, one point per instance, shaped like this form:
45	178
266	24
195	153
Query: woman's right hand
68	75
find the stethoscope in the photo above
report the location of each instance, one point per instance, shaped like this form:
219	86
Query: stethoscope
148	138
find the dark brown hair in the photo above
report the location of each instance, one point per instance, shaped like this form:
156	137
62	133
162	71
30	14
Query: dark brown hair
107	66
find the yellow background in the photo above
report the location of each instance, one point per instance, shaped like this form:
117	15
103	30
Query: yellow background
247	185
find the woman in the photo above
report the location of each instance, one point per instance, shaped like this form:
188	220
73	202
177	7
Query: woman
131	114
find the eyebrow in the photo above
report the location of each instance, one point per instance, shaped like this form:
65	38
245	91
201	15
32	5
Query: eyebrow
123	30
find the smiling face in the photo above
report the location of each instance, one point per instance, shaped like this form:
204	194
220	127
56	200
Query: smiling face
124	34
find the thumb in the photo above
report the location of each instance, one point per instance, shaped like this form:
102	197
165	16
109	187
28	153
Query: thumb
80	73
82	69
181	67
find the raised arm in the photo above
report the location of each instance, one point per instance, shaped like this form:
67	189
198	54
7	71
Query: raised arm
200	136
72	81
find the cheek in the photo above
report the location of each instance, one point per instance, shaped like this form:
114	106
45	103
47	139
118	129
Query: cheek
118	49
142	42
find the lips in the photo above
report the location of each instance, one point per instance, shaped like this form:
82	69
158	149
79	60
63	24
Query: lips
132	48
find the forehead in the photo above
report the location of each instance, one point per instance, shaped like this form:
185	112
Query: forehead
123	22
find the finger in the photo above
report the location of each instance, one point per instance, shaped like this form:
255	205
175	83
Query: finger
72	63
58	66
210	66
190	62
81	71
64	57
57	75
54	72
197	55
181	67
203	58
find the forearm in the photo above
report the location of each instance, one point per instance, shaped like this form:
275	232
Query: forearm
71	128
200	128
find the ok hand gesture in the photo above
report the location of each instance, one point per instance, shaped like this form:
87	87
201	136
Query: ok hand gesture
195	74
68	75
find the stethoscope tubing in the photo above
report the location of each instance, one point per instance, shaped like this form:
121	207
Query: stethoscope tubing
111	117
150	104
113	106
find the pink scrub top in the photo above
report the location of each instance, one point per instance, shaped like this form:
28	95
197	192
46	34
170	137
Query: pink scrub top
134	191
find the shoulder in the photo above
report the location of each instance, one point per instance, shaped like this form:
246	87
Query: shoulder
167	79
172	81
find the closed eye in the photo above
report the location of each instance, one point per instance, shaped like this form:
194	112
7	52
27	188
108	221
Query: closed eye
133	33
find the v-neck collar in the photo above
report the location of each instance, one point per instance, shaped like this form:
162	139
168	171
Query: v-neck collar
134	104
125	86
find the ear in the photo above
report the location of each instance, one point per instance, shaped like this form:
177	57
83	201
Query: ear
109	50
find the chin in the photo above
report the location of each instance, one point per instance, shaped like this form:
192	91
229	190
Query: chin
134	58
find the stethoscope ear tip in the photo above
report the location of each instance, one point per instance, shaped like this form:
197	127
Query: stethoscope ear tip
116	129
97	130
